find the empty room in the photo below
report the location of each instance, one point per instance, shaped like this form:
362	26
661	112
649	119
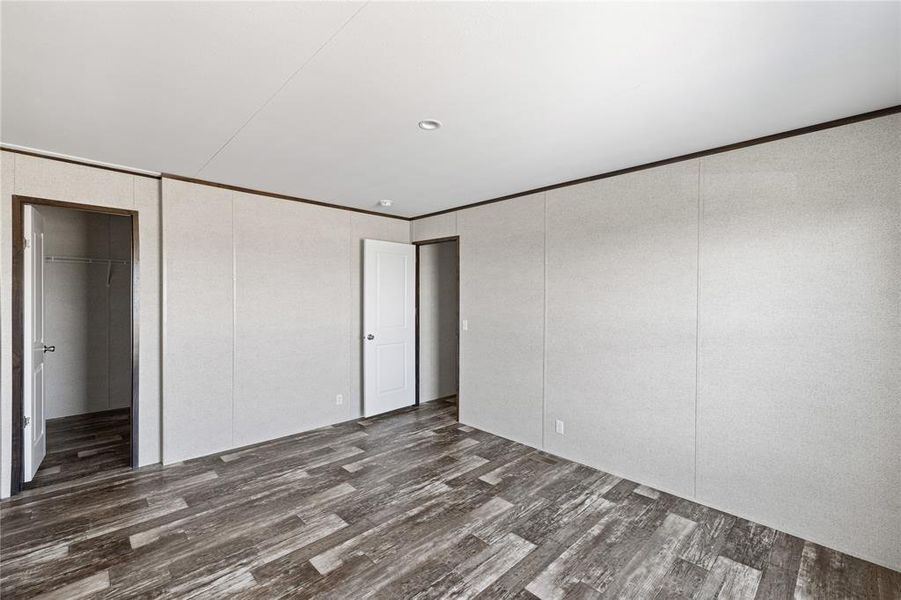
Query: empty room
395	300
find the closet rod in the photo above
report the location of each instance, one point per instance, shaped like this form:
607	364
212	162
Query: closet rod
86	260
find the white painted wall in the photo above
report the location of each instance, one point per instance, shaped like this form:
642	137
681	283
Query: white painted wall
438	304
728	329
262	329
88	321
43	178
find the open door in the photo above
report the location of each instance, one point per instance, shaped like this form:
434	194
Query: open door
389	326
35	438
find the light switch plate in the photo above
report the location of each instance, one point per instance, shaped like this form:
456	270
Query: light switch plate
559	427
465	324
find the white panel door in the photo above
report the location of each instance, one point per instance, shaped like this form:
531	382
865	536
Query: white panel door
389	331
33	392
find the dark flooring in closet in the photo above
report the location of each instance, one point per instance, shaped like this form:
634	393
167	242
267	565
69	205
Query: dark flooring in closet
84	445
405	505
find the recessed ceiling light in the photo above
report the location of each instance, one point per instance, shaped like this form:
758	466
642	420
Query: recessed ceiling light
430	124
385	203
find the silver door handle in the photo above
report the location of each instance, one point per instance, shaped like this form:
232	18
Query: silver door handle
49	348
370	337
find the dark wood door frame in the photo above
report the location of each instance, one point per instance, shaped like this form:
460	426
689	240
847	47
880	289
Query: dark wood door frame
18	314
418	244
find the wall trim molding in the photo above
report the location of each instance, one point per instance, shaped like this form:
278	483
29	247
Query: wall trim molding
875	114
236	188
160	176
72	160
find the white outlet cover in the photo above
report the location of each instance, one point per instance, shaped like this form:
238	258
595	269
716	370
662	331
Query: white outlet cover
339	399
465	324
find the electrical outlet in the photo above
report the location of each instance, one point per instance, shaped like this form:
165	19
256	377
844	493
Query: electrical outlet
465	325
339	399
559	427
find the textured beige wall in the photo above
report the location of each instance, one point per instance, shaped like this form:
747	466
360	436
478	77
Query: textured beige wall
432	228
621	324
147	193
279	338
198	320
799	406
767	278
44	178
292	317
438	303
502	299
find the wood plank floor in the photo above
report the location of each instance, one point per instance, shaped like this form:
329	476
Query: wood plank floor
407	505
83	445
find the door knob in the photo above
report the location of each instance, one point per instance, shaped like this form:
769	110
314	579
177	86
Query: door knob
370	337
49	348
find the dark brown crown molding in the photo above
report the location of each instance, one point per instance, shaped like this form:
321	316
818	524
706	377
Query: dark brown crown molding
73	161
659	163
85	163
236	188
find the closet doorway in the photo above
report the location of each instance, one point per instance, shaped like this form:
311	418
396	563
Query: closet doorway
438	321
75	342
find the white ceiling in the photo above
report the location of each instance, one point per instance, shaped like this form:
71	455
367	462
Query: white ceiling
322	100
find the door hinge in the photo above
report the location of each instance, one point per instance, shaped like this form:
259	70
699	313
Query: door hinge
27	421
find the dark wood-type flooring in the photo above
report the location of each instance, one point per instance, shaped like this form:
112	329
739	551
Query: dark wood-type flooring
83	445
406	505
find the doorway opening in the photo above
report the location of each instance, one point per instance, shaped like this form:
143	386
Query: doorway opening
74	341
438	321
